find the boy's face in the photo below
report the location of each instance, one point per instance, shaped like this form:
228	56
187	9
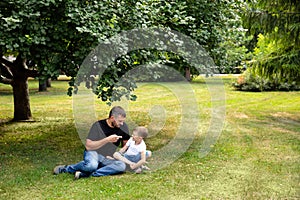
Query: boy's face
136	138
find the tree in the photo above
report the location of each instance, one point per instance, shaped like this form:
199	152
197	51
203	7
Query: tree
57	35
51	34
204	21
276	25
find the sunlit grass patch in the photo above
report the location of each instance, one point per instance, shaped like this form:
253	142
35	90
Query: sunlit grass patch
255	157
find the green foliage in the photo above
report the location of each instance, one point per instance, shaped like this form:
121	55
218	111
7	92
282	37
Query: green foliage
278	49
250	81
219	30
263	16
56	36
114	83
275	60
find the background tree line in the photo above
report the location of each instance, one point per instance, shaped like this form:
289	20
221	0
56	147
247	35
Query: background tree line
51	37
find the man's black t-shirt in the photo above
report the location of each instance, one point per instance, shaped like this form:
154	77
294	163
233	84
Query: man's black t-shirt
100	130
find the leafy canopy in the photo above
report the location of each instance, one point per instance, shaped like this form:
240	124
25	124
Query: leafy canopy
56	36
277	25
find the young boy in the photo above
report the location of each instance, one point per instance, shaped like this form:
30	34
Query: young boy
134	153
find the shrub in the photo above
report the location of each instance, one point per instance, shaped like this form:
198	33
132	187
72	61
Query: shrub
250	81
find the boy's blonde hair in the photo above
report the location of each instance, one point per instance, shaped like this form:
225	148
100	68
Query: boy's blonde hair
141	131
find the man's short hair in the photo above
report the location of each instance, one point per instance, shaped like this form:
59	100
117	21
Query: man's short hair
117	111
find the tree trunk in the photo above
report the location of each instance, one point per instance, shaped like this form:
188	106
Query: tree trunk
188	74
48	82
42	85
21	100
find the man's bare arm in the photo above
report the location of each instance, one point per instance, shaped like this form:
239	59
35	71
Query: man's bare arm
93	145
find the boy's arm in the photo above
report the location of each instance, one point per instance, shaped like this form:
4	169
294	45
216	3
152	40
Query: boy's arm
123	149
124	143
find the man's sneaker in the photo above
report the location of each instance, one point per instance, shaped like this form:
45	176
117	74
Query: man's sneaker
59	169
77	175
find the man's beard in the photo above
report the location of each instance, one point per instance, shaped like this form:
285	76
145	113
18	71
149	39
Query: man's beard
115	124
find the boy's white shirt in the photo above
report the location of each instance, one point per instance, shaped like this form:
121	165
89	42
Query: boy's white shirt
134	149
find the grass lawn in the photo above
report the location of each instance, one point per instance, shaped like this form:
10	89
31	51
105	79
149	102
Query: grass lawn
257	155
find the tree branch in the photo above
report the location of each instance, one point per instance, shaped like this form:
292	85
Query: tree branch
32	73
5	80
5	71
10	67
6	62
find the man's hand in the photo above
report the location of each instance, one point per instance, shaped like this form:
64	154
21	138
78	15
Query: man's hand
113	138
93	145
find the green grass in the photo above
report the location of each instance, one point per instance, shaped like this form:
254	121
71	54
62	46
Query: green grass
257	156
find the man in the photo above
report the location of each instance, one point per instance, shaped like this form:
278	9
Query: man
102	141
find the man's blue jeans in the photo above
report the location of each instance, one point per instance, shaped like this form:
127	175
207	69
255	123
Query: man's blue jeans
95	164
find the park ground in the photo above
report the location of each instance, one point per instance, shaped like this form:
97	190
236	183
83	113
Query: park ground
256	156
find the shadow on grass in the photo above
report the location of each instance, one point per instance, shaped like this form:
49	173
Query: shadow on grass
285	120
4	122
6	92
40	146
